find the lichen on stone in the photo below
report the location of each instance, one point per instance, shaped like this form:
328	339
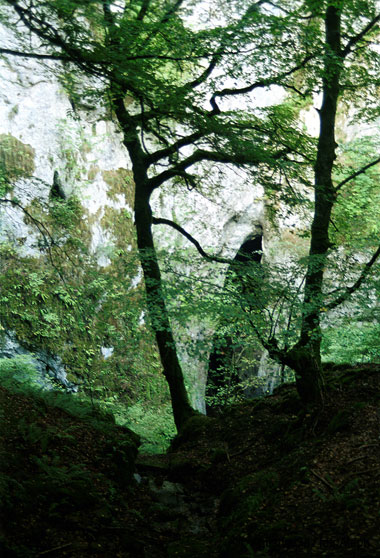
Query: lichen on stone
120	224
92	172
16	158
120	181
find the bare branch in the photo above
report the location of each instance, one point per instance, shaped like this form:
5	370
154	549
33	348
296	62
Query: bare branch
208	257
350	290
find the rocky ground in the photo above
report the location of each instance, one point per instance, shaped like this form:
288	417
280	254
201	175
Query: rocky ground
263	479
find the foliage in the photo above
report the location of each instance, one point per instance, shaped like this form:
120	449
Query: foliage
20	369
16	161
254	300
60	457
19	376
155	426
62	303
5	185
352	342
158	88
356	218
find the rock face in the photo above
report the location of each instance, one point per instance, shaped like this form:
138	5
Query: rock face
221	223
50	149
49	367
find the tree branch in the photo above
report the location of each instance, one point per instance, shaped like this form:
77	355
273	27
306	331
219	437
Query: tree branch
206	73
357	173
270	345
251	158
84	59
202	155
217	57
143	10
354	40
174	147
350	290
40	226
71	58
261	83
171	11
34	55
42	229
208	257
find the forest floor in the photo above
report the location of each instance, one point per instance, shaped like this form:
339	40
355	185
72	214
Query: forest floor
264	478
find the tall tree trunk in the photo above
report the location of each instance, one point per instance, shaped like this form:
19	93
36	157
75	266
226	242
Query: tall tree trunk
305	356
155	298
157	310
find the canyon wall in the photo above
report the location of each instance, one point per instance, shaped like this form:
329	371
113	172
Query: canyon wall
51	146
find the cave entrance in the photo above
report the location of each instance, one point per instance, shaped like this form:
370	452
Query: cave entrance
250	250
225	368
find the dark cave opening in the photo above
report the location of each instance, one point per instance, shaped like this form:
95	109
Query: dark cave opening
223	374
250	250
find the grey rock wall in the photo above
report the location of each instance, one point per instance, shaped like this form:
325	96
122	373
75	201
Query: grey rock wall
85	151
49	367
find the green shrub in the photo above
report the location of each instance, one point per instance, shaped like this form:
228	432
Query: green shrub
19	369
155	426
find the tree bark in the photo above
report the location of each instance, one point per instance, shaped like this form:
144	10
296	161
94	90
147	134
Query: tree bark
305	357
155	298
158	314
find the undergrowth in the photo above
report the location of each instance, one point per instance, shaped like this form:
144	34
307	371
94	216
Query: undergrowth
61	458
154	425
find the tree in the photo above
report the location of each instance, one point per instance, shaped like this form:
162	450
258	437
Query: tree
343	62
158	76
144	50
339	55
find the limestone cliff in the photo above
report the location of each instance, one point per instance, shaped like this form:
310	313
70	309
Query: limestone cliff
53	149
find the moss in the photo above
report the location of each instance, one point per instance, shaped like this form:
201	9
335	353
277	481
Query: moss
120	224
16	158
295	239
93	217
12	113
120	181
128	100
33	299
92	172
50	314
85	149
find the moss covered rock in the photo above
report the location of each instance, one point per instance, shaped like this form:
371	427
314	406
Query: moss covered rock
16	158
